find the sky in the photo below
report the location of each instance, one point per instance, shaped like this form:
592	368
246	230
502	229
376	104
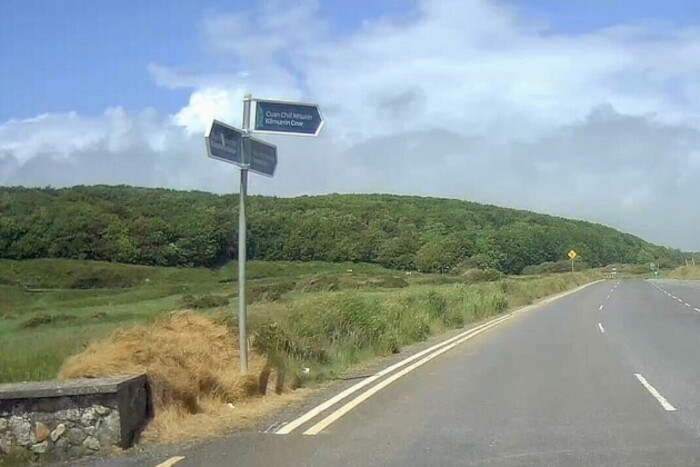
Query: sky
587	110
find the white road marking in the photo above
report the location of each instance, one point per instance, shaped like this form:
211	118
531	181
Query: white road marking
602	330
318	427
291	426
697	309
439	348
170	462
600	308
608	297
687	304
680	300
662	400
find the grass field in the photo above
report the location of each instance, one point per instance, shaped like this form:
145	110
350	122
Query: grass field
52	308
328	315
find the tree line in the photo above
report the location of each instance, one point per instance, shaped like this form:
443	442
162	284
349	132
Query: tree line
192	228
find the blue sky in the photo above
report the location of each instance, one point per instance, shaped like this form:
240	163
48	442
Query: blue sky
87	55
584	109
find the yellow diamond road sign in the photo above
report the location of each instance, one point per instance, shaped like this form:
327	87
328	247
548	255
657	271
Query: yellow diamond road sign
572	255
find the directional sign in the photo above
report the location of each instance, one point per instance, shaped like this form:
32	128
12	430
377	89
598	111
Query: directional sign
572	255
236	146
295	118
263	156
224	143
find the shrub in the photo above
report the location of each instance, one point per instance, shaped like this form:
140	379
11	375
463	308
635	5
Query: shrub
389	282
44	319
204	301
268	293
98	276
327	283
480	275
554	267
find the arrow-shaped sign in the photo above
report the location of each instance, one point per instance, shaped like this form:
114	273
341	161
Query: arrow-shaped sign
262	155
294	118
224	143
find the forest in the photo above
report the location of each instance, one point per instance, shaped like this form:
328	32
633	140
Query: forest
163	227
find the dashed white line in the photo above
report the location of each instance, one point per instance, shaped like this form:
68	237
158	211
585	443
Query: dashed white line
602	330
680	300
662	400
600	308
608	297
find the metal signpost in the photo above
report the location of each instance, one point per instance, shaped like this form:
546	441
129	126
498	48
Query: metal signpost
572	256
235	146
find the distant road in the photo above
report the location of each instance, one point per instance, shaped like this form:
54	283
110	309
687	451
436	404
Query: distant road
609	375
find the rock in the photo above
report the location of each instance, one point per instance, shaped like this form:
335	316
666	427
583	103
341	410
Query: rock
68	414
41	431
75	451
5	444
75	436
21	429
58	432
108	431
3	424
91	443
89	417
90	430
102	410
40	448
61	444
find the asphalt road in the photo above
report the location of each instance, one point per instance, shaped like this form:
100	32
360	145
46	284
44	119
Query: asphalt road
609	375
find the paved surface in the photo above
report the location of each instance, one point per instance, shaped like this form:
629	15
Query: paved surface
607	376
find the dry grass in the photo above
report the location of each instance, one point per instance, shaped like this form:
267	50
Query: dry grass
172	425
686	272
192	365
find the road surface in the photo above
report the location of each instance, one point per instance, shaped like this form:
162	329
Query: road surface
609	375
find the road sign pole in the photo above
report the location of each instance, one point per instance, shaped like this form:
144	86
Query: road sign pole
242	312
229	144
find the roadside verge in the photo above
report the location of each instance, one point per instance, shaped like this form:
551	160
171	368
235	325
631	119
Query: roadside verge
390	374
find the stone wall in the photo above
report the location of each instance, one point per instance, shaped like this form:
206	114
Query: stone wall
64	420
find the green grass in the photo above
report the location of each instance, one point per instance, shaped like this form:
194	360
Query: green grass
51	308
330	331
325	315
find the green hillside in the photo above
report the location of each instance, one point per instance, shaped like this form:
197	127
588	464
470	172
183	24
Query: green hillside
186	228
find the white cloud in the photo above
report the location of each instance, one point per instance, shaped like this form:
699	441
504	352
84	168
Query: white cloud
467	99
